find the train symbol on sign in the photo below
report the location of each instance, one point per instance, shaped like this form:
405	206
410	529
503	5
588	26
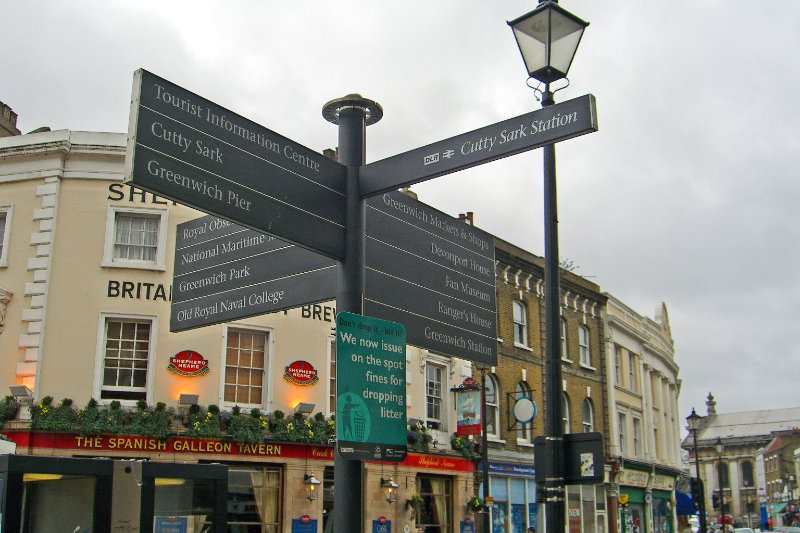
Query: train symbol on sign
433	158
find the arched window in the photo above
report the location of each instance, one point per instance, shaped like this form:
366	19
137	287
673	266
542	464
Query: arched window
492	406
722	475
583	345
524	429
520	323
565	412
588	416
747	474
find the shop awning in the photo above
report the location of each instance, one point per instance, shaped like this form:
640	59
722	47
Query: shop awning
683	504
779	507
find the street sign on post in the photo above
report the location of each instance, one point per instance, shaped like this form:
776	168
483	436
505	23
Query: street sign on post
434	274
584	458
544	126
224	272
189	149
370	388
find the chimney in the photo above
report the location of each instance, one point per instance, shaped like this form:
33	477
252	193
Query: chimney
8	121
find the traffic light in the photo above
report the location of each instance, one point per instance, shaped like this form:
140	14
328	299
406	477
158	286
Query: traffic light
715	501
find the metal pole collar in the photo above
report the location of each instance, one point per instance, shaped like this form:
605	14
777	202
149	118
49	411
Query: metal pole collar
372	110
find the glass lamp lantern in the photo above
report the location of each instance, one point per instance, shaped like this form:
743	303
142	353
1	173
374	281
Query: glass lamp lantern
548	38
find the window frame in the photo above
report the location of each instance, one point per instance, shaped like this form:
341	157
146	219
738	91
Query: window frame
7	212
266	388
637	435
566	415
441	366
584	346
524	431
622	432
521	327
632	372
495	384
97	385
159	263
588	426
331	385
564	340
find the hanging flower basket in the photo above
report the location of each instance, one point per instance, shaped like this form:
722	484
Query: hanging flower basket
475	504
414	504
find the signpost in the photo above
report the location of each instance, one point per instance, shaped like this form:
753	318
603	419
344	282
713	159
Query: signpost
396	258
533	130
225	272
370	388
434	274
184	147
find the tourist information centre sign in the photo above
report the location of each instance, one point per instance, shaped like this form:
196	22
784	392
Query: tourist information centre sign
191	150
370	388
224	272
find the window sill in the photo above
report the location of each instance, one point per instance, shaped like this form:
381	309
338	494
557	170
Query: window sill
588	367
134	266
526	443
523	346
565	360
495	439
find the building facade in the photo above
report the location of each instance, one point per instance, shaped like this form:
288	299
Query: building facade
754	460
642	389
85	285
519	375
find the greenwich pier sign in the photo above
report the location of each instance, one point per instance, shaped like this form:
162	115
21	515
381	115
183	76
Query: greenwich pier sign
193	151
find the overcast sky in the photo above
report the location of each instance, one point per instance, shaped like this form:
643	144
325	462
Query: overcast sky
688	194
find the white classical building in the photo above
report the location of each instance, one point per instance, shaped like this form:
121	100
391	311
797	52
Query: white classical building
644	422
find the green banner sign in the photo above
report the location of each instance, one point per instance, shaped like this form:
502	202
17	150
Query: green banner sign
370	388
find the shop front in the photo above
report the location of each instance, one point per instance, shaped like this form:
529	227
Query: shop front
632	517
270	487
513	488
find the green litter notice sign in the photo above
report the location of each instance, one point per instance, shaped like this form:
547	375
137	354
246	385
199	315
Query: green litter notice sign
370	388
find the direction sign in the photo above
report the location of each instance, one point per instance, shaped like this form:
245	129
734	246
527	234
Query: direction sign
544	126
434	274
370	388
225	272
200	154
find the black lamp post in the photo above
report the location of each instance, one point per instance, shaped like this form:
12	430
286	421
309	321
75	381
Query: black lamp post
548	38
693	420
720	448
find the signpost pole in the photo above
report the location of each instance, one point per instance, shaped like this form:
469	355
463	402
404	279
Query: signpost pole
554	425
352	113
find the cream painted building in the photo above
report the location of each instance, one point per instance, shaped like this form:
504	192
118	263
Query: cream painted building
85	281
643	418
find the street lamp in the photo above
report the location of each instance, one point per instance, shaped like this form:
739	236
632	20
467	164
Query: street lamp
720	447
548	38
693	420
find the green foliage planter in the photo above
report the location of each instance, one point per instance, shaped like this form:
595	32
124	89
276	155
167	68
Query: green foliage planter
465	446
419	440
247	428
162	421
151	422
47	417
9	407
